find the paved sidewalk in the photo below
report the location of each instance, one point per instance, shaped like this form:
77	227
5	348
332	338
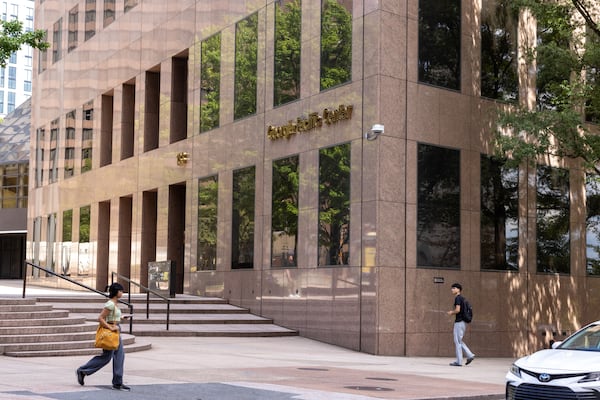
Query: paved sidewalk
281	368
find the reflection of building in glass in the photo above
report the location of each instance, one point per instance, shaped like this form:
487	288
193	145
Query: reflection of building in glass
14	189
229	138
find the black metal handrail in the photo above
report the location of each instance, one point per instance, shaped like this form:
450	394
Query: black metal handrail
128	304
148	291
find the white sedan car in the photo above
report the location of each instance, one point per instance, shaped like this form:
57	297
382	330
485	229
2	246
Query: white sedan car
570	370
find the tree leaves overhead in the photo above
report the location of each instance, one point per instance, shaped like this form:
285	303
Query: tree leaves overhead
567	60
12	38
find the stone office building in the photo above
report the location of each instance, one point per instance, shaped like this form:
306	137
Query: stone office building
325	163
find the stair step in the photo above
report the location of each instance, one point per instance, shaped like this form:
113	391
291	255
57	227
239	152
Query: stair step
70	345
48	329
6	308
131	348
214	330
49	338
157	309
135	299
42	322
34	314
17	301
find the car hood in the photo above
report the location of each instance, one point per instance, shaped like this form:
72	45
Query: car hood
561	361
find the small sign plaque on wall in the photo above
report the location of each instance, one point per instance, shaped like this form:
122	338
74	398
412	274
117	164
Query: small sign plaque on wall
438	279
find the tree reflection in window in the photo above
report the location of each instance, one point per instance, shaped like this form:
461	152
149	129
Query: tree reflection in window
334	205
242	241
67	228
284	220
84	224
207	223
336	42
210	82
439	43
438	208
499	215
499	79
246	53
553	237
288	28
592	223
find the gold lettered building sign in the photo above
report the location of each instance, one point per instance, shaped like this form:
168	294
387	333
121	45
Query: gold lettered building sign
314	121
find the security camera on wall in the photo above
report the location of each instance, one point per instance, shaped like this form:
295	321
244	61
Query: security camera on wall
374	132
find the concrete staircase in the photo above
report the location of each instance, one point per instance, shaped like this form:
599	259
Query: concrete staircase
28	329
189	316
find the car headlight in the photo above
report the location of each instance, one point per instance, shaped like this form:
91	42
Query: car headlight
591	377
515	370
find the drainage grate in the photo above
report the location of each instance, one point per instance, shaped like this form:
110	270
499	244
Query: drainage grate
314	369
370	388
382	379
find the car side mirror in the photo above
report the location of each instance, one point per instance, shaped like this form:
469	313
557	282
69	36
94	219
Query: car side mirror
556	344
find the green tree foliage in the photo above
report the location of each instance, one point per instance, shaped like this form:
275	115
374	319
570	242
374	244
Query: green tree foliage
242	241
499	79
246	53
567	60
439	42
334	205
84	224
336	44
12	38
288	29
207	222
284	220
210	82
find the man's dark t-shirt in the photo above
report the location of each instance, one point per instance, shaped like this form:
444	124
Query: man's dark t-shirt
459	300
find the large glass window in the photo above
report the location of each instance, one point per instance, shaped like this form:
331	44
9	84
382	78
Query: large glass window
592	223
499	215
284	219
242	241
246	54
208	200
334	205
336	42
84	224
87	137
54	140
57	41
109	12
129	4
10	104
553	207
67	227
438	207
288	28
499	22
210	83
90	19
439	43
12	77
70	143
73	29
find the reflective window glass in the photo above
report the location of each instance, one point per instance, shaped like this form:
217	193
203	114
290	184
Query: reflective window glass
288	29
439	43
284	219
242	241
208	201
552	224
334	205
438	207
499	78
210	83
336	42
592	223
499	215
246	53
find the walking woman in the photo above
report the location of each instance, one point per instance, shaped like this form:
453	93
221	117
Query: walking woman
109	318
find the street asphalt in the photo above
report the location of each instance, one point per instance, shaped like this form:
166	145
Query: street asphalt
227	368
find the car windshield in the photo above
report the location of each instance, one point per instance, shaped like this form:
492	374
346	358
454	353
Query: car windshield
586	339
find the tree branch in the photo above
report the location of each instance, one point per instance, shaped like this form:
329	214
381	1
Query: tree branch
589	21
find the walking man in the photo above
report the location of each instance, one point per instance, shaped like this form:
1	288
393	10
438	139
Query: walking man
460	326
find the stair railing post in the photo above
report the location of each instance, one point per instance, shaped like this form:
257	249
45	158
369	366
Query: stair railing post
24	280
168	312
